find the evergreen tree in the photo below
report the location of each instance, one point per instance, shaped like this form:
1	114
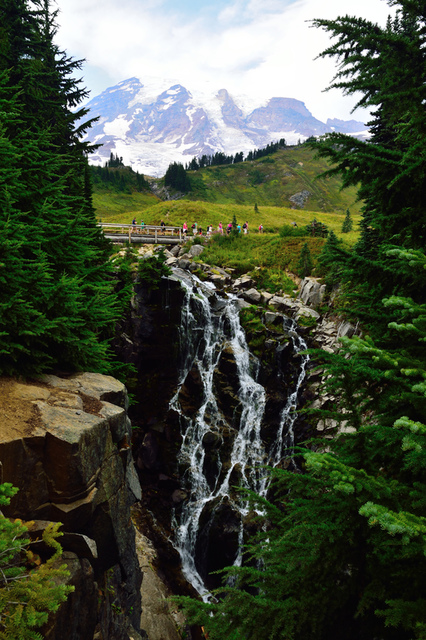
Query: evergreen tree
305	264
347	222
234	231
57	304
176	178
387	68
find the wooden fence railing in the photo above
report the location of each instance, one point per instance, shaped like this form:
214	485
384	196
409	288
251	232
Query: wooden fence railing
152	231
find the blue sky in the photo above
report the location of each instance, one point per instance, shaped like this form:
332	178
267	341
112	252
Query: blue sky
263	48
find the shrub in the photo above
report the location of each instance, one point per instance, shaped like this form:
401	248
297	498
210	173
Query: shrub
317	229
151	270
288	231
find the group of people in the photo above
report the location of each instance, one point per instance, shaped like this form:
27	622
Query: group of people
197	230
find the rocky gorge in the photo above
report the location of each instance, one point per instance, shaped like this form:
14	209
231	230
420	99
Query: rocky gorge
113	474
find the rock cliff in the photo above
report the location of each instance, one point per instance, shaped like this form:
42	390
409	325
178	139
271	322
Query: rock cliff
65	443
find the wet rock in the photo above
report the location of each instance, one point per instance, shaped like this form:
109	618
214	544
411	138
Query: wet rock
253	296
272	318
148	453
183	263
306	312
217	544
284	303
242	304
191	394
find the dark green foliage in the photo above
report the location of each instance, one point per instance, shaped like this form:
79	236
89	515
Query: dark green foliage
331	259
56	300
234	231
151	270
305	264
387	68
176	178
289	230
118	178
316	229
347	222
114	161
219	158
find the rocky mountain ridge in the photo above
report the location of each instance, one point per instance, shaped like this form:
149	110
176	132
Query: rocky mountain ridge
151	124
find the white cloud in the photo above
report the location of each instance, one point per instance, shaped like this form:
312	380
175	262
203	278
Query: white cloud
261	47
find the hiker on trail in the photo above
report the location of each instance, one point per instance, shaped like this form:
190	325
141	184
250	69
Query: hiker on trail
142	226
245	227
261	228
134	223
185	228
229	228
220	228
163	227
194	228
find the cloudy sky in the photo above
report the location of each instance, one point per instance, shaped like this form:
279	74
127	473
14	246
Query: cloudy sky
257	47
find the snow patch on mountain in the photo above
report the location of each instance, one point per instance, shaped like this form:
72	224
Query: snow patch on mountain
154	122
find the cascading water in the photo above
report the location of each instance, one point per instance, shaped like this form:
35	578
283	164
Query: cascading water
211	327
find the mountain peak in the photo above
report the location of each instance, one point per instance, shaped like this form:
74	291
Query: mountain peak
153	122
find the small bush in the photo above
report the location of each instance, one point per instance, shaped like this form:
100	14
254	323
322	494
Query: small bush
290	231
151	270
316	229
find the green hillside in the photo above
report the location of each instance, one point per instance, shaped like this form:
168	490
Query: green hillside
272	180
219	192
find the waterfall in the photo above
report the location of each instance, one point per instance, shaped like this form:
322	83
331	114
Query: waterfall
211	328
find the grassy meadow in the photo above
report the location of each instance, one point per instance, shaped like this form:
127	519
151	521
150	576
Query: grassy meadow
257	192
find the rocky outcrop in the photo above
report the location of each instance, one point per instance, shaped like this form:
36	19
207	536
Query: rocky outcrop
70	456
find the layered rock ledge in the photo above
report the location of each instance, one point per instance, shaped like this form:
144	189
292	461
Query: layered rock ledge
65	443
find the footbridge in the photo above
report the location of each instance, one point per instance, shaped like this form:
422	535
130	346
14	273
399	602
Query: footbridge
141	233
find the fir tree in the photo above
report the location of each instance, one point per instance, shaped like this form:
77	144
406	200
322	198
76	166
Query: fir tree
55	285
386	67
347	222
176	177
305	264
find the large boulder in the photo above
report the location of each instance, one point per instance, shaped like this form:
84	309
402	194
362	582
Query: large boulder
66	445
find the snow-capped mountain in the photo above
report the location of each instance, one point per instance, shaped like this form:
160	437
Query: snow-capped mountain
153	124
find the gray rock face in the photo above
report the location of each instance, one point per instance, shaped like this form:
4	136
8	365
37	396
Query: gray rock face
299	199
74	465
312	292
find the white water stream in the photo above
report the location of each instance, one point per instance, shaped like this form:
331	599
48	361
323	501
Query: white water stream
206	331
